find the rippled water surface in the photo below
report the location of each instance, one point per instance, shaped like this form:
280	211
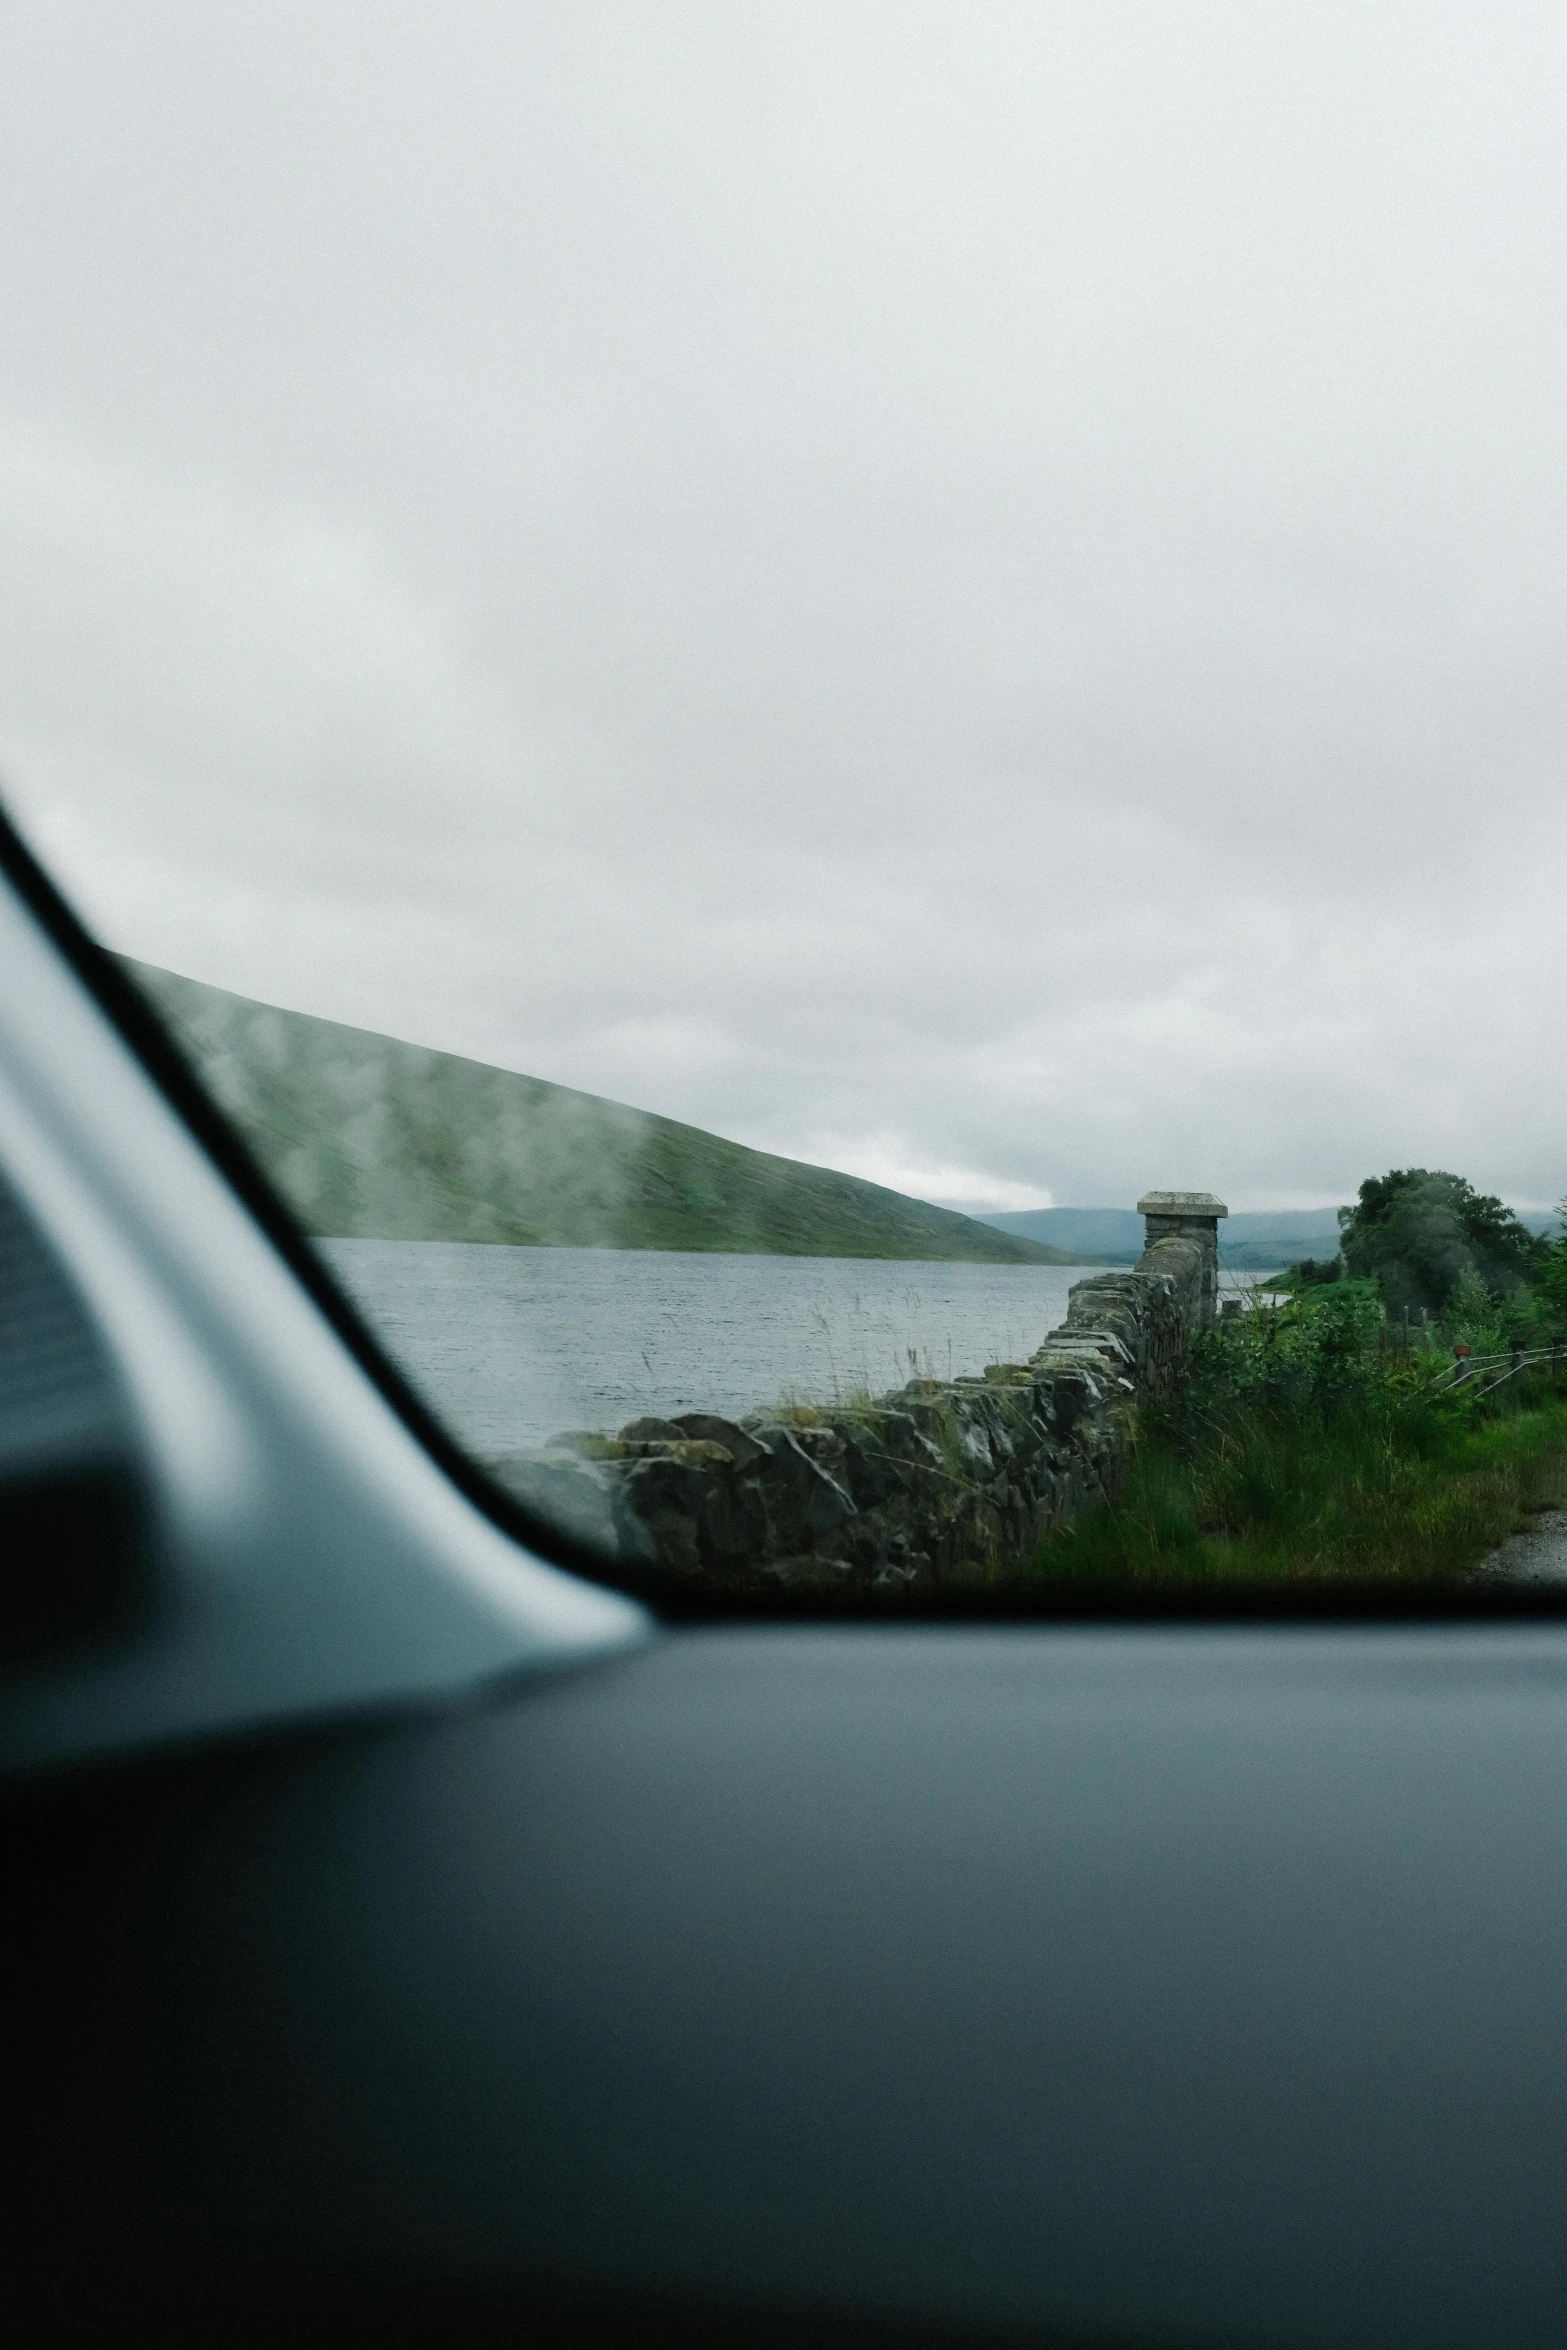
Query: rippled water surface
511	1345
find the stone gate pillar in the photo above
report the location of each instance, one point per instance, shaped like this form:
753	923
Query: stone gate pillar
1194	1215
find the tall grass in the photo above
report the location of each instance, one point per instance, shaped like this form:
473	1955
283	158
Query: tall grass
1304	1451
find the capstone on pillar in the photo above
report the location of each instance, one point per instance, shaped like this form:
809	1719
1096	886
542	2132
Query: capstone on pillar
1193	1215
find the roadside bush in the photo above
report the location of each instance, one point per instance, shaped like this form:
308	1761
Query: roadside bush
1317	1354
1312	1273
1474	1318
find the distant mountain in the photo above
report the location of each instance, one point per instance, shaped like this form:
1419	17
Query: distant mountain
1261	1244
1112	1235
367	1137
1249	1243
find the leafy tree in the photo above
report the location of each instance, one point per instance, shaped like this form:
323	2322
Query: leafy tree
1553	1272
1417	1231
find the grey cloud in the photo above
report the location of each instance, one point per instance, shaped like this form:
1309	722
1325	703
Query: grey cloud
966	589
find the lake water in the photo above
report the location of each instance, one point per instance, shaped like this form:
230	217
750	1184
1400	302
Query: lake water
510	1345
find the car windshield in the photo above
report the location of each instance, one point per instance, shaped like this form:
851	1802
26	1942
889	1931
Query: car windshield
839	731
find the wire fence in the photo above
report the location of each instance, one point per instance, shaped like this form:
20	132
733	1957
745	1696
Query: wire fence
1517	1357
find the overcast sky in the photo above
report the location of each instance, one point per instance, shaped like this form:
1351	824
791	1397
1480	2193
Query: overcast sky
972	593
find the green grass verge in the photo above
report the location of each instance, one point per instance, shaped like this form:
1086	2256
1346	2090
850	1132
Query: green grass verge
1270	1504
1301	1452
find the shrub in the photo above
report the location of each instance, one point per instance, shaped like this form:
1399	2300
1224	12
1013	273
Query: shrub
1472	1317
1312	1273
1317	1355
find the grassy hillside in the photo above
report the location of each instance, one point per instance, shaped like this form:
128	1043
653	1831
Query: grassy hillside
369	1138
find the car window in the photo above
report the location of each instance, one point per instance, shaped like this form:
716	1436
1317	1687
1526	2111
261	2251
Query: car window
838	734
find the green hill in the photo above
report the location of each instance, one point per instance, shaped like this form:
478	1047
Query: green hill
366	1137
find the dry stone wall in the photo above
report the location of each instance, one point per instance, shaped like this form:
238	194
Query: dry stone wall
935	1482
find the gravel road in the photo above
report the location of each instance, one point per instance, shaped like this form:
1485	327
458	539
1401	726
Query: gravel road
1538	1555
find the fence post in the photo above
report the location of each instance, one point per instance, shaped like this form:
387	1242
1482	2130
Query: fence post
1193	1215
